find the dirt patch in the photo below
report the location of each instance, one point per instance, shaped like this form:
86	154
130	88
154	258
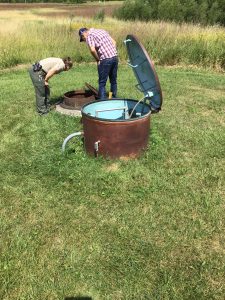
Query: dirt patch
217	245
113	167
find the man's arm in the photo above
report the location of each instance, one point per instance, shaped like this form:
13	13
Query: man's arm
114	42
94	53
50	73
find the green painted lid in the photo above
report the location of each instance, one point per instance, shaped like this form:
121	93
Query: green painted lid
144	71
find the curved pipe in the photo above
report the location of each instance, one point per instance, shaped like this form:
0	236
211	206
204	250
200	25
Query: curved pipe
69	138
135	107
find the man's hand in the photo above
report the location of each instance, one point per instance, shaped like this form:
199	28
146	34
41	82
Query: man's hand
94	53
50	73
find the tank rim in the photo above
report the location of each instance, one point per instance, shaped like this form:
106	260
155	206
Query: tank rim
78	92
111	120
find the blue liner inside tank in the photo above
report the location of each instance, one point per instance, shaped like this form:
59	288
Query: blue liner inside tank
115	109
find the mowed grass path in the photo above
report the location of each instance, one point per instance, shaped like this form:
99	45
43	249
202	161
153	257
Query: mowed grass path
150	228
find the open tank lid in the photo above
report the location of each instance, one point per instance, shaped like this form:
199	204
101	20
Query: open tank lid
144	70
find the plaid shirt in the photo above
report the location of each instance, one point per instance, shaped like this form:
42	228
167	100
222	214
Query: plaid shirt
101	40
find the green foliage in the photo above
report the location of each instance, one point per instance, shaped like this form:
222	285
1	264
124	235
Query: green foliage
132	11
170	10
191	11
202	11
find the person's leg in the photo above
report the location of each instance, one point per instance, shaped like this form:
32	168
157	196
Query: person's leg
40	92
47	97
103	73
113	77
41	98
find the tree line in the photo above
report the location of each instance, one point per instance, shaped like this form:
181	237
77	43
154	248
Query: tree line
206	12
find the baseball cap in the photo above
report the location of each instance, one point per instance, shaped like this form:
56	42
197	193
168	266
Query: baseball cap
81	31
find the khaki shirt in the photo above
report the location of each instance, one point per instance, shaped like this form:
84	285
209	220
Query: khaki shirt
52	62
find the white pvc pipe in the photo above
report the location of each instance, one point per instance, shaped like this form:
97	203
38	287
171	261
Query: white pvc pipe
69	138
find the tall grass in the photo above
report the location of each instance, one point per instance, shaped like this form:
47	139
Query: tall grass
167	43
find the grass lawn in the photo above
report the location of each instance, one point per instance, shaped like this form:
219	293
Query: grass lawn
150	228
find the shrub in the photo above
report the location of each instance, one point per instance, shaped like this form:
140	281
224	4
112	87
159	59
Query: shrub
203	12
132	10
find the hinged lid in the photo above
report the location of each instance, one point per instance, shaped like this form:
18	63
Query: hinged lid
90	87
144	70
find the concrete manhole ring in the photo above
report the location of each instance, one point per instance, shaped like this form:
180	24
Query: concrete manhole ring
69	112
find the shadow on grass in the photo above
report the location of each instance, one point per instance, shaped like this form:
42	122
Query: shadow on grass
56	100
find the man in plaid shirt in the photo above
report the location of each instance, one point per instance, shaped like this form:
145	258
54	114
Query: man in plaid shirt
103	49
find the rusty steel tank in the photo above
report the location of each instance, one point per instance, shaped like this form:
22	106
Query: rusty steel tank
76	99
116	128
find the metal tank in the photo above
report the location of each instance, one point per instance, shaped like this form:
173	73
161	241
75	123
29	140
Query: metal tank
120	127
111	131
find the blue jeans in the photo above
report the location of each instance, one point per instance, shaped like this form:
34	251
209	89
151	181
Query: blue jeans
107	68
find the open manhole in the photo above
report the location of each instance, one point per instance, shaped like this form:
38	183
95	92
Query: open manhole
74	100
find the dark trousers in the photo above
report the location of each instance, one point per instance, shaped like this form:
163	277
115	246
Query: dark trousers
107	69
42	92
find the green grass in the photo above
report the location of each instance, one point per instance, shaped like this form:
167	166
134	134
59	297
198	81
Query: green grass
149	228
